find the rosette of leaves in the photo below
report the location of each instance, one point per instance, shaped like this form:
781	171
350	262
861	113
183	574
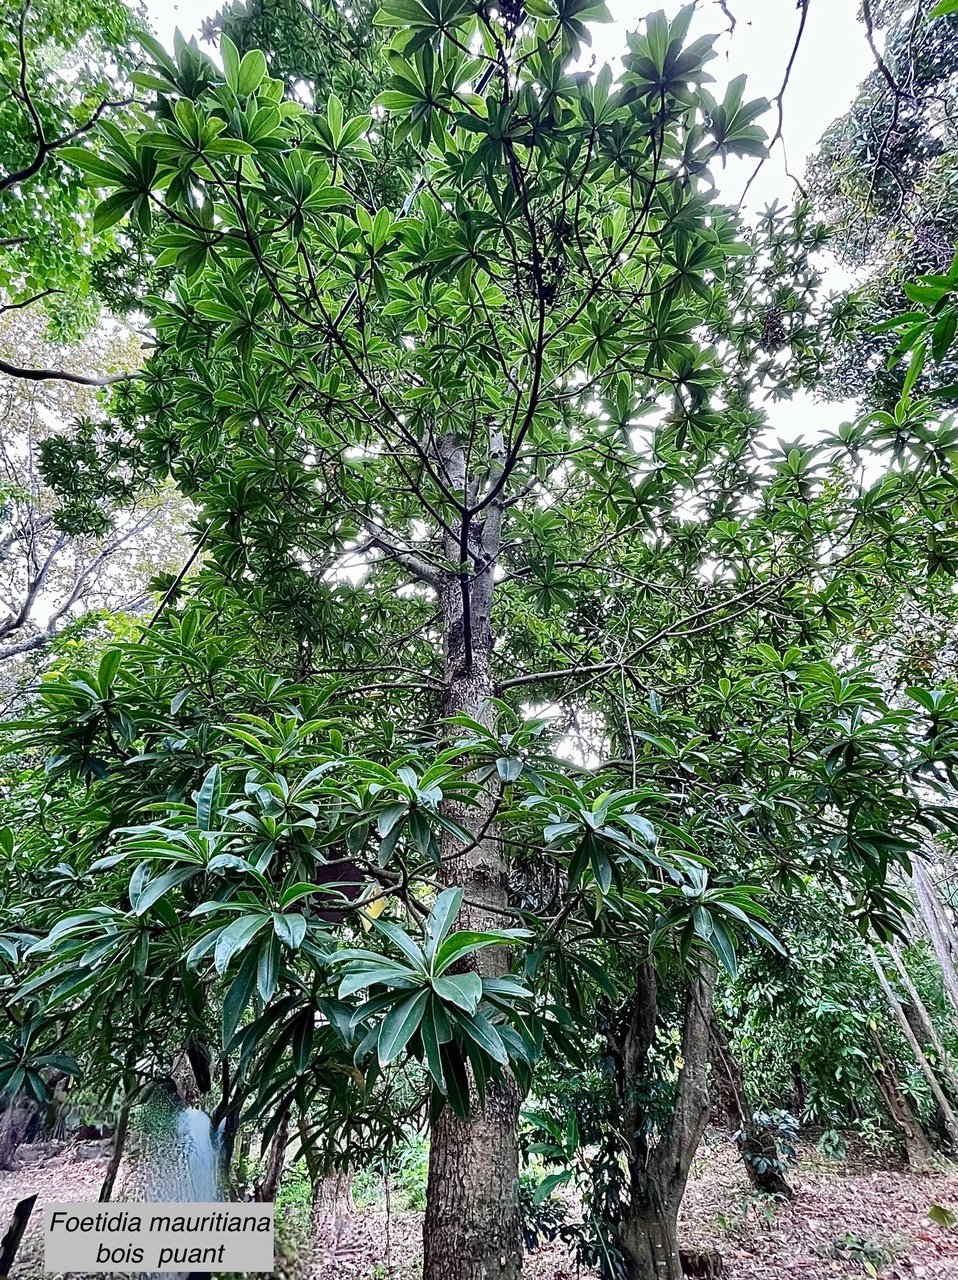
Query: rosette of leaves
423	1000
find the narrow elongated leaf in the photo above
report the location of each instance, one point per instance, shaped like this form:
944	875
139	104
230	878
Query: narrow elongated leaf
235	937
208	799
399	1025
464	990
444	911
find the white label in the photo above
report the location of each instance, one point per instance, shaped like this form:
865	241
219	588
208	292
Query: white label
158	1237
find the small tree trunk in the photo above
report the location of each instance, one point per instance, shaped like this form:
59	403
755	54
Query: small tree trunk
265	1190
13	1127
950	1119
116	1155
917	1147
940	931
647	1232
14	1235
756	1144
928	1032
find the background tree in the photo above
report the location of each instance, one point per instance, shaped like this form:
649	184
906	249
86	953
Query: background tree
885	180
96	547
60	74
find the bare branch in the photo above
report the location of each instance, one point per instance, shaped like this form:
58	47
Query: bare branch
61	375
779	99
880	62
418	567
28	302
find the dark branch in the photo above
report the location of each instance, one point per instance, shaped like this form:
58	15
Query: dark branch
60	375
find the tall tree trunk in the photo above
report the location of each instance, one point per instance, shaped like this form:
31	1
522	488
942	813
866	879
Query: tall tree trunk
917	1147
471	1230
648	1231
939	928
928	1071
756	1143
926	1026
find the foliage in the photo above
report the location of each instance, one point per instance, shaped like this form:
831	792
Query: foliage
782	1128
62	68
448	456
886	181
95	544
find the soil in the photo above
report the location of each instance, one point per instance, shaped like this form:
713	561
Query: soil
863	1219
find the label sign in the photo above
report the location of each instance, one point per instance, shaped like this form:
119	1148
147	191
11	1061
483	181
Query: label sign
158	1237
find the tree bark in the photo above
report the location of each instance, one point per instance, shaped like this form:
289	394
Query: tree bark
116	1155
648	1231
950	1119
265	1190
939	929
929	1032
14	1122
756	1144
471	1229
918	1150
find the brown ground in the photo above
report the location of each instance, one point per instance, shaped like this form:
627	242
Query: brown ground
841	1224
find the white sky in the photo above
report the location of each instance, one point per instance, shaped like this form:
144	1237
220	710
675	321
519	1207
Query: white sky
832	60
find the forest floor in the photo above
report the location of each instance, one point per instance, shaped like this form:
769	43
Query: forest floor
857	1219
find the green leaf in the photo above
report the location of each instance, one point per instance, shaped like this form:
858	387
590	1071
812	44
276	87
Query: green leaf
440	920
431	1044
399	1025
302	1045
235	937
112	209
231	62
209	799
267	968
238	996
251	73
482	1033
939	1213
290	929
464	990
159	885
551	1182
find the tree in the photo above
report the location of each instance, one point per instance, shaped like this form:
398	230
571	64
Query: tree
94	547
528	299
885	180
60	74
494	403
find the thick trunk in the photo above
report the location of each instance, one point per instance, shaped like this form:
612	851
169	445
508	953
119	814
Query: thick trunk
647	1233
472	1222
471	1230
756	1143
917	1147
940	931
649	1242
948	1115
